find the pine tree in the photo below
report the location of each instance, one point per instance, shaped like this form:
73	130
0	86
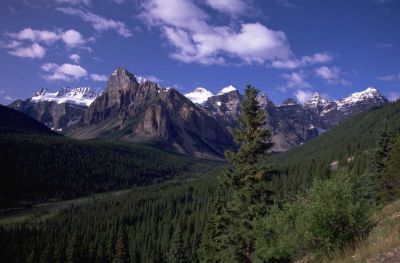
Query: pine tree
391	173
232	232
177	251
381	155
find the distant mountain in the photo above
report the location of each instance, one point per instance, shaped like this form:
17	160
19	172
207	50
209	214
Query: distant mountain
291	123
145	112
135	109
57	110
13	121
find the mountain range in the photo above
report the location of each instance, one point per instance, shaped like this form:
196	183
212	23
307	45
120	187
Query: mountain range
135	109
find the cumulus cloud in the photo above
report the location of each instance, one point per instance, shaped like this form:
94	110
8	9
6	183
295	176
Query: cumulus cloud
16	44
97	77
232	7
195	40
296	80
99	23
36	35
75	58
331	75
64	72
303	96
72	38
317	58
33	51
391	78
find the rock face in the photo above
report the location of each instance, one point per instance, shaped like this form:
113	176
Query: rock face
132	111
292	123
138	110
56	116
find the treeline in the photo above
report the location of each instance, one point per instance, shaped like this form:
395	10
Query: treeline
150	224
38	168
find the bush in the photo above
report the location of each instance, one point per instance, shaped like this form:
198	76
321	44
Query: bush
327	220
333	216
280	236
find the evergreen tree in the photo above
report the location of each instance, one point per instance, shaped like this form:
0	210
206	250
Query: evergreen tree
177	251
391	173
121	248
232	232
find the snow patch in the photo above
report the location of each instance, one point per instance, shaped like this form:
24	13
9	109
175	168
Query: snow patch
199	95
227	89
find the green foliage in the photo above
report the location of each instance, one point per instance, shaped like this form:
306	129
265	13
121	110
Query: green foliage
391	173
38	168
354	138
280	235
148	224
328	219
229	236
334	216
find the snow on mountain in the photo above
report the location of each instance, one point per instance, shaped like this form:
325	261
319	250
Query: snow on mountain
227	90
79	95
199	95
316	101
365	95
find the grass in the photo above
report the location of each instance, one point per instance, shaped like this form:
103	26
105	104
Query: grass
384	237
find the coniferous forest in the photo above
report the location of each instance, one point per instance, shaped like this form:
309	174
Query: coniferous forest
316	199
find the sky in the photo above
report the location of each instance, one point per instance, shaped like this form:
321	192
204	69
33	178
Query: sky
285	48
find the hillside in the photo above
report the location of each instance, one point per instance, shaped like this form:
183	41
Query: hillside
351	142
13	121
38	168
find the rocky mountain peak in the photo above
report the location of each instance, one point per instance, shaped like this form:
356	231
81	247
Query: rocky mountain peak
199	95
263	100
121	79
79	96
369	95
227	89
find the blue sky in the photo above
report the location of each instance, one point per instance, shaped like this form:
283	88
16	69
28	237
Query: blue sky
286	48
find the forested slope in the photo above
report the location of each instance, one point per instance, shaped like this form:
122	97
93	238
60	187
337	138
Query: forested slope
38	168
352	143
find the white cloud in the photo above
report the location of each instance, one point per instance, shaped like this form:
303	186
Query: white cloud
331	75
394	96
391	78
33	51
296	80
99	23
75	58
195	40
72	38
97	77
303	96
35	35
64	72
17	42
74	2
232	7
317	58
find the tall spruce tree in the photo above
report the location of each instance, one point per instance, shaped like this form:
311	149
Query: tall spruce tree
231	233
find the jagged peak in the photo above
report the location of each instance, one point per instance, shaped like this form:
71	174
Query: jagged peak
227	89
199	95
77	95
368	93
